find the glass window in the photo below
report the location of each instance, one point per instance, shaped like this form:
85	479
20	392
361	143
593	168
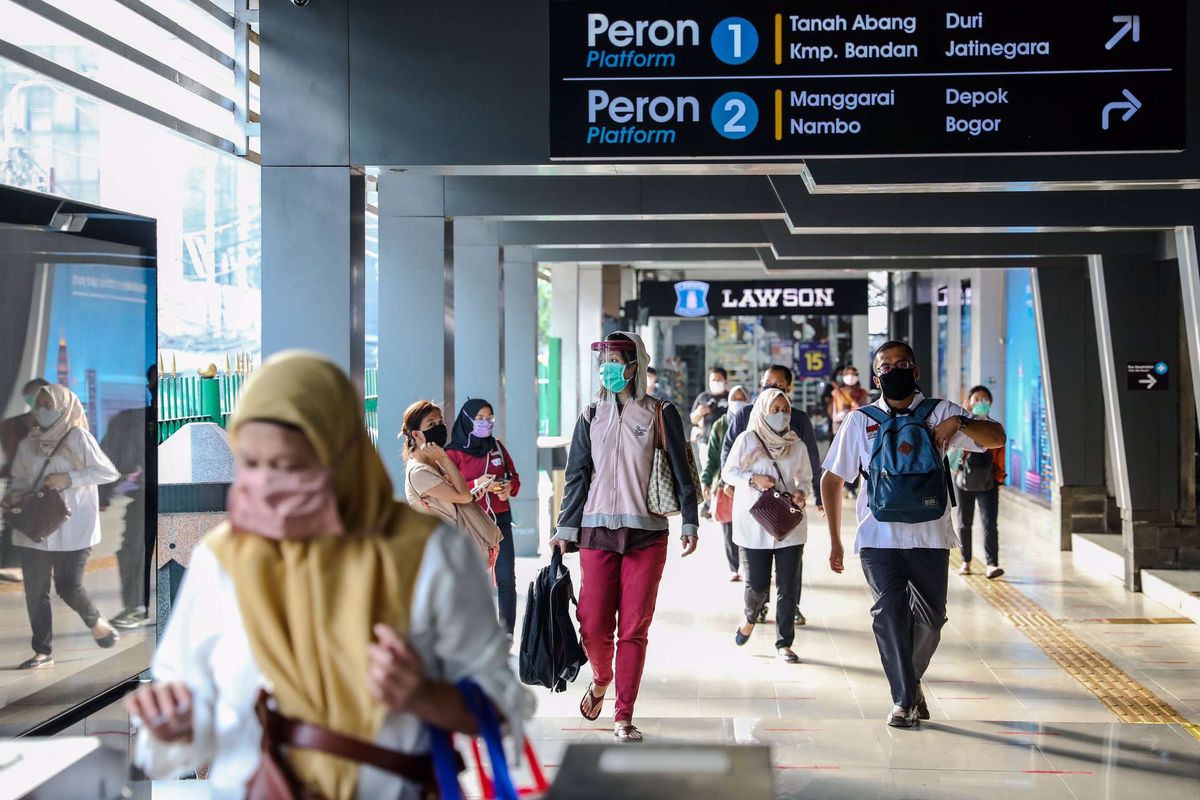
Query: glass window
206	203
65	48
87	328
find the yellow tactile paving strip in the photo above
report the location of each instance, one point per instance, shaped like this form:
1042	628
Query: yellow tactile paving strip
1123	695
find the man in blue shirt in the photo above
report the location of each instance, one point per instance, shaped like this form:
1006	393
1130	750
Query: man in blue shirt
777	376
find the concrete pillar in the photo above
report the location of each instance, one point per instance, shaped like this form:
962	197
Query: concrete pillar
861	347
518	423
416	354
313	251
1128	291
1075	413
564	325
987	334
590	328
953	390
478	303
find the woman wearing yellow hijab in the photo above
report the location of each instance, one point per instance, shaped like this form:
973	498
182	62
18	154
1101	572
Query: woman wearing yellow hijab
356	613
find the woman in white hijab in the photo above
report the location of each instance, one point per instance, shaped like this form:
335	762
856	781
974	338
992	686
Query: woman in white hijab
69	459
769	455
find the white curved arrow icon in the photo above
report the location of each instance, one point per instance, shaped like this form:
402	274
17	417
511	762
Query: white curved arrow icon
1130	107
1133	23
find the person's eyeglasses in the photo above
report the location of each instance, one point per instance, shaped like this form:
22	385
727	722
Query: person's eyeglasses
884	369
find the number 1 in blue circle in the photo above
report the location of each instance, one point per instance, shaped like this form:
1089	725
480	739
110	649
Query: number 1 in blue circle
735	40
735	115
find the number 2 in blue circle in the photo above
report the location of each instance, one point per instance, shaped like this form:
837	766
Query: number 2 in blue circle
735	115
735	40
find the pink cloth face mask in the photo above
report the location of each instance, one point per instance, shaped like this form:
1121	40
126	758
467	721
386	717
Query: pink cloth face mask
285	505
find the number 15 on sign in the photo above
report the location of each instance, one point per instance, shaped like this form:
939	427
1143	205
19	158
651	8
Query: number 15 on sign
812	360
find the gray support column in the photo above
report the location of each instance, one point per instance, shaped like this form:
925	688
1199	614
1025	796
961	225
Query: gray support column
564	322
1136	303
413	299
519	423
988	290
313	242
861	347
953	390
478	325
1076	418
1189	277
590	329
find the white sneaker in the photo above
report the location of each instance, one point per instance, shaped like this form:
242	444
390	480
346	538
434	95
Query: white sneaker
965	569
994	571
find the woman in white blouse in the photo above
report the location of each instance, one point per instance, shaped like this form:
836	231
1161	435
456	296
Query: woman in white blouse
356	612
769	455
70	461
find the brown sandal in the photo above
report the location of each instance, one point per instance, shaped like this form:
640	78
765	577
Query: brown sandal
591	705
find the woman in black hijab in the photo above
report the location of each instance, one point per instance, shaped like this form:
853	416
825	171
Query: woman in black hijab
484	462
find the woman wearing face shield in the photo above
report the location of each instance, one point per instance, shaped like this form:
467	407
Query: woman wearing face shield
69	460
606	516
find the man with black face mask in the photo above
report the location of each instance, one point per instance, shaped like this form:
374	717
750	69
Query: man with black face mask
906	563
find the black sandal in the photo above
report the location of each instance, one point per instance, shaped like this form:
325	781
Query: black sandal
591	705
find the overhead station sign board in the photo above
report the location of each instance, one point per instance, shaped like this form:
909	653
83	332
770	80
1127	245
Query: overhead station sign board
759	80
695	299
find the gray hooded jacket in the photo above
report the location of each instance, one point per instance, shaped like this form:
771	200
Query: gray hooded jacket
609	463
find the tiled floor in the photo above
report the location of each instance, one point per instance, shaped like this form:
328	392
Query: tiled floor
1006	718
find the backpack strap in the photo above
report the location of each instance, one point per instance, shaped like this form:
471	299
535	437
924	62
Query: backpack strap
875	413
925	408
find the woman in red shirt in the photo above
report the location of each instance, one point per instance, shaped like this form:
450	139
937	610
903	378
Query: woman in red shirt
480	457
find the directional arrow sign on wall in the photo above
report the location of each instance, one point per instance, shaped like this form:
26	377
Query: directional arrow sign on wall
1146	376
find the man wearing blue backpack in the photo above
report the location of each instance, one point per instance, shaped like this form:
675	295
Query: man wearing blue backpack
905	530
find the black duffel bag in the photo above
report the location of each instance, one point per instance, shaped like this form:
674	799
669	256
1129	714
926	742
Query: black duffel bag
551	654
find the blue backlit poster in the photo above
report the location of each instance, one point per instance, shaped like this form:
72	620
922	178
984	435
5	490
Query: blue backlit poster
100	337
1030	468
812	360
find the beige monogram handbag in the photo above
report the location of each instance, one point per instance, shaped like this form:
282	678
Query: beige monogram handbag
661	499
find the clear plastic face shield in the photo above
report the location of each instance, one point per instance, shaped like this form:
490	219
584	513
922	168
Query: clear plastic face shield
614	366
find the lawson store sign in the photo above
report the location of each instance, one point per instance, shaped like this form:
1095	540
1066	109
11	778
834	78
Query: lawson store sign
695	299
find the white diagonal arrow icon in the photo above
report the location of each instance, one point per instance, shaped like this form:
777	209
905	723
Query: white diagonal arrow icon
1130	107
1148	381
1132	24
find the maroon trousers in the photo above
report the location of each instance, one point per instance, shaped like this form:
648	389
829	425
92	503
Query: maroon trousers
618	592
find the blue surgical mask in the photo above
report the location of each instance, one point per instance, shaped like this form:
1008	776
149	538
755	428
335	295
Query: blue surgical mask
981	409
612	376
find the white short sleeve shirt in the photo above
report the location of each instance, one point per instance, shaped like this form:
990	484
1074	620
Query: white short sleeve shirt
851	452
